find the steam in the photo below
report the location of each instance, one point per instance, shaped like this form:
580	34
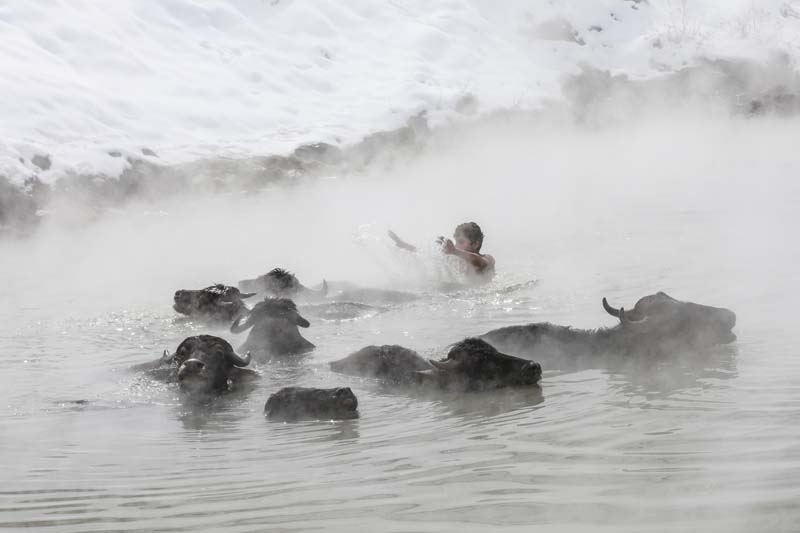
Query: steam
543	186
697	203
617	188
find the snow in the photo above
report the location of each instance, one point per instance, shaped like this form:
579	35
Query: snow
191	79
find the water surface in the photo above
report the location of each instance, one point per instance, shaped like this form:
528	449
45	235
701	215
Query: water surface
702	210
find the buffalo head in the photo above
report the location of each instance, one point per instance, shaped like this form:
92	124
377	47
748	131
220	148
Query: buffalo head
474	364
216	302
204	363
391	362
282	284
274	324
658	320
295	403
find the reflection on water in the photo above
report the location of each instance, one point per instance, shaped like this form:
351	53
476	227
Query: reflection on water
676	373
217	414
318	431
477	405
687	442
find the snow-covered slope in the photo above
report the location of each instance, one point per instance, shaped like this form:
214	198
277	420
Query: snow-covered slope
199	78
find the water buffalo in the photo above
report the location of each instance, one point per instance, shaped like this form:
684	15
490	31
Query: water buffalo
218	302
658	324
274	322
202	364
375	296
282	284
392	363
471	364
342	310
295	403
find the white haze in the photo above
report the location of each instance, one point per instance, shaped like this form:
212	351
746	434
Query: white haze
540	189
652	187
702	207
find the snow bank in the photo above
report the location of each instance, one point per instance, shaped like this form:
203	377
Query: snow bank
189	79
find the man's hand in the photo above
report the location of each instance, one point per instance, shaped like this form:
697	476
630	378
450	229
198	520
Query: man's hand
447	245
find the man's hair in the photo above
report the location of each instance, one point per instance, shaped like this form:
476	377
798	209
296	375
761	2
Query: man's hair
471	231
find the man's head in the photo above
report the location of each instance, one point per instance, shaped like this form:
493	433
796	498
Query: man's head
468	237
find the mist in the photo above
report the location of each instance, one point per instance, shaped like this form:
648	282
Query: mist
687	200
543	189
610	149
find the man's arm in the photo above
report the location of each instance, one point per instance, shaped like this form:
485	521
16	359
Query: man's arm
480	262
400	243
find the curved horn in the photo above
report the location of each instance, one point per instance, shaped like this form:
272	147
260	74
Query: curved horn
610	310
237	359
322	292
625	320
446	365
237	328
245	295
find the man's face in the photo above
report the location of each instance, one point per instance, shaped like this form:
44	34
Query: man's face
463	243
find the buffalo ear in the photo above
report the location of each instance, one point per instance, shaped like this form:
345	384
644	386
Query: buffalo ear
166	357
300	321
237	360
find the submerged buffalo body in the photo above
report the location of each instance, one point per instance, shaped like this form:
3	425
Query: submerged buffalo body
202	364
217	302
282	284
374	296
471	364
392	363
296	403
342	311
658	324
274	332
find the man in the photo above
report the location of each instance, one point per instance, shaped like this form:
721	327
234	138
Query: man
467	246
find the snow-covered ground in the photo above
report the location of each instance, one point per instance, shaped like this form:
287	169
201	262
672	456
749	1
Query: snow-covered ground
191	79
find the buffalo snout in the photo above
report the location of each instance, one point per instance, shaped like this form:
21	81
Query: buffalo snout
530	373
190	368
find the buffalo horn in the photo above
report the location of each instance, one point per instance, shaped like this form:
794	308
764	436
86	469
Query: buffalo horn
446	365
322	292
625	320
237	359
610	310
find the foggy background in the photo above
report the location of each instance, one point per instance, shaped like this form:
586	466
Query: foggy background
541	188
620	190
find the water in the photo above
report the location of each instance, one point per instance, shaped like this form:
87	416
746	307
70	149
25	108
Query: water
704	210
